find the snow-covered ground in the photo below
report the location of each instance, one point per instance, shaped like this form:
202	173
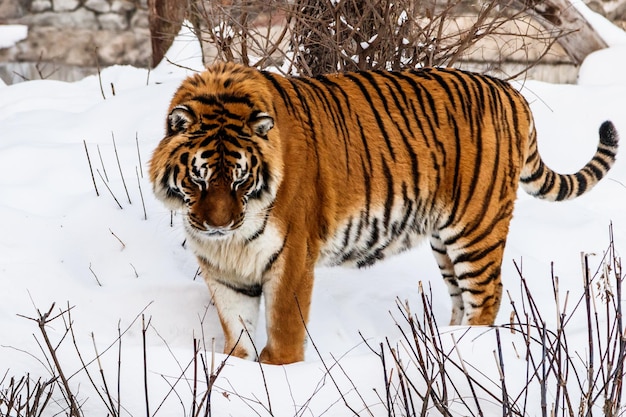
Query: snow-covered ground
61	243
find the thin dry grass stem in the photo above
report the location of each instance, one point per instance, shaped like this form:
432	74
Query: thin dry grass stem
324	364
590	327
506	406
268	408
435	339
106	176
93	178
197	274
119	369
468	377
172	391
95	52
423	353
196	347
40	67
386	374
95	276
22	76
352	384
143	203
110	191
117	158
144	329
201	405
42	320
604	337
210	377
425	367
608	380
176	379
28	400
615	395
110	404
179	65
118	239
139	164
24	397
70	328
110	346
544	376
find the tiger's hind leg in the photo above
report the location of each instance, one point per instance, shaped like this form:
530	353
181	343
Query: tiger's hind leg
447	272
476	260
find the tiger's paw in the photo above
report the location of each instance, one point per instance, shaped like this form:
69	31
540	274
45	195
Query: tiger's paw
283	357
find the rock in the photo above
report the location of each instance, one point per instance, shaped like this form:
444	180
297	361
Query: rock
127	47
100	6
80	47
140	19
80	18
11	9
122	6
65	5
112	21
38	6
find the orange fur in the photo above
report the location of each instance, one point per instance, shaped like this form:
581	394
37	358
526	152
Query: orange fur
276	175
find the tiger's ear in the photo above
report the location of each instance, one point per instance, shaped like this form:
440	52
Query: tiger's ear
261	123
179	119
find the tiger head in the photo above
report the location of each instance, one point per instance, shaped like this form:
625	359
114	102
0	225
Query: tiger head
220	161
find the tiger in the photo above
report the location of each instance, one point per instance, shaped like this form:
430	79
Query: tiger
275	175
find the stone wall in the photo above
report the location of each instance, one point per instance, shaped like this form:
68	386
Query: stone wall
68	39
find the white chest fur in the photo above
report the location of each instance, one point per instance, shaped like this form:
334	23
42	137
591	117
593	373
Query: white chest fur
238	257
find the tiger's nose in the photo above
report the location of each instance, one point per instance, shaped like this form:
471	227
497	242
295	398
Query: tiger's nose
219	208
219	220
211	226
220	213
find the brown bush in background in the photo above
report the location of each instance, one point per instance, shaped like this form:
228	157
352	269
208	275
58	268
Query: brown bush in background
391	35
311	37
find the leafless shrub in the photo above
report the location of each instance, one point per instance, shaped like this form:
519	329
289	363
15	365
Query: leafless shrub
427	371
253	32
24	397
311	37
392	35
41	70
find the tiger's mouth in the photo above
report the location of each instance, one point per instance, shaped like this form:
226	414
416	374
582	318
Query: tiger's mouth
216	233
206	231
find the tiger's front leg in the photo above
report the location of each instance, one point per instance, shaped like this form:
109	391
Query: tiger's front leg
238	311
287	290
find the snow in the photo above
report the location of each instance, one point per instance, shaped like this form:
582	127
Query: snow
611	34
12	34
61	243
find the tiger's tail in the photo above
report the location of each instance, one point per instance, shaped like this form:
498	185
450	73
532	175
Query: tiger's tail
540	181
